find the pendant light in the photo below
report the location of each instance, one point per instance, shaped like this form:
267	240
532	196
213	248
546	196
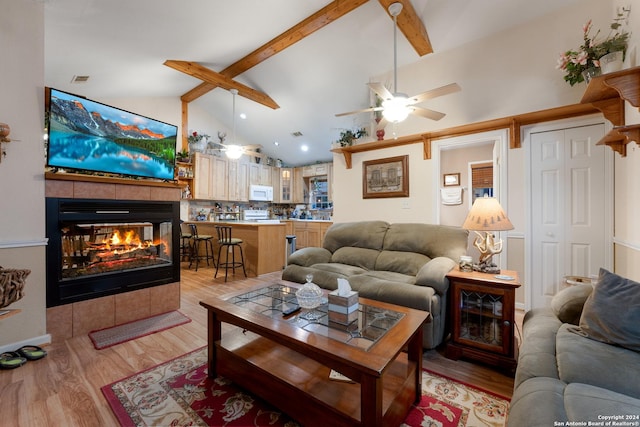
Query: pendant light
234	151
395	109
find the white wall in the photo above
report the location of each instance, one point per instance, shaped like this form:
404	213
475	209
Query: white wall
22	229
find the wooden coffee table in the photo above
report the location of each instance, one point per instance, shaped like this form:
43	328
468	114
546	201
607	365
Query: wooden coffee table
287	360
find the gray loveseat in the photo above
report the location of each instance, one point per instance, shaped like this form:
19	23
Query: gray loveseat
579	360
403	264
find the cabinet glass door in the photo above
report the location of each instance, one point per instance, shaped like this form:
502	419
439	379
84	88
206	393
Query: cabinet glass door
481	318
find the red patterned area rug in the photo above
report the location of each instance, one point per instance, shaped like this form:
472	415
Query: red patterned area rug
108	337
179	393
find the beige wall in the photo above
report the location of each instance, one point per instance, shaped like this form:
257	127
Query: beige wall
21	179
510	73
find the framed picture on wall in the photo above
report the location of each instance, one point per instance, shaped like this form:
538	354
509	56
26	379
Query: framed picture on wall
451	179
385	177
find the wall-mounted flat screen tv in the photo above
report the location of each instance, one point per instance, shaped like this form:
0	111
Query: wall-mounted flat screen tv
85	135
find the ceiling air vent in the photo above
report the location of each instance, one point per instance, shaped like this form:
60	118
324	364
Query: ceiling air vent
79	79
296	133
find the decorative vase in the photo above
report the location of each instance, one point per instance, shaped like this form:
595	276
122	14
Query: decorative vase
379	132
590	73
197	147
611	62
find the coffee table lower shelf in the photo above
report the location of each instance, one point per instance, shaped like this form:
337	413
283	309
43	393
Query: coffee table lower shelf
300	386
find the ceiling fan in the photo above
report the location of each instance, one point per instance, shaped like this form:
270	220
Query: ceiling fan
234	150
397	106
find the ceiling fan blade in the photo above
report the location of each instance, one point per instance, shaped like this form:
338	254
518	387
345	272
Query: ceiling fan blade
366	110
381	90
426	113
434	93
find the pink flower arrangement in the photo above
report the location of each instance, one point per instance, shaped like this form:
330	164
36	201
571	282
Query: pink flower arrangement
574	62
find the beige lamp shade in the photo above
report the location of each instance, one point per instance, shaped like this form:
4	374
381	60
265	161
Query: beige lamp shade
486	214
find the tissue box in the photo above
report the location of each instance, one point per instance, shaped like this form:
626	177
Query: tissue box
343	309
347	301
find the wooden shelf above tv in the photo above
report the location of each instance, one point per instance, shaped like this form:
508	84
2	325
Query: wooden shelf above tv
108	180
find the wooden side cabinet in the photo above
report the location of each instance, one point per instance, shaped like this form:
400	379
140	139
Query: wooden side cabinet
481	318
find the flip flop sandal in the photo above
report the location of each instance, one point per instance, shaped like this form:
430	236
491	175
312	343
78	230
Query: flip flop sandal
31	352
11	360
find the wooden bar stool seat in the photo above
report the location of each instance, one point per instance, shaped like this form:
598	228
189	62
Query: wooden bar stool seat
197	240
229	243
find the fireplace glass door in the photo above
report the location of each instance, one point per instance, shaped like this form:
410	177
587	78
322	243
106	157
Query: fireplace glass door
91	249
103	247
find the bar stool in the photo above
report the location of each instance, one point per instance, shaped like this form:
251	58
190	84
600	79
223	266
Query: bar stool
196	241
185	244
229	244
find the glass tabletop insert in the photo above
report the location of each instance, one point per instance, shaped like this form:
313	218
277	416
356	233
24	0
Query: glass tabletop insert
372	322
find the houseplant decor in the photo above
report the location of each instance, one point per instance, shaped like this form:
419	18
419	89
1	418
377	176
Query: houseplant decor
576	62
197	142
347	136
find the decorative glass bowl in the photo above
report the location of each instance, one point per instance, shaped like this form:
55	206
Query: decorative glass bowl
309	297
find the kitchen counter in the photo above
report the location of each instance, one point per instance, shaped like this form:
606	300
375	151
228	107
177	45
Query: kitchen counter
264	244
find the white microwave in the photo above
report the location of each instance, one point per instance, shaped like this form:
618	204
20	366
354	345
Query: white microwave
261	193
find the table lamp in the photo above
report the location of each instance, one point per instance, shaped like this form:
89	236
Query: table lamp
486	215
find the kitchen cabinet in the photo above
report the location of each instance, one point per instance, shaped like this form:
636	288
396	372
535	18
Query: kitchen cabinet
203	176
298	186
275	183
309	233
238	180
259	174
210	177
481	317
286	177
319	169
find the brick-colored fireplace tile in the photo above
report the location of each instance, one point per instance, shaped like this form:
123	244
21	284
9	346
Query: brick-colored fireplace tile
98	313
164	298
93	190
132	306
60	322
132	192
62	189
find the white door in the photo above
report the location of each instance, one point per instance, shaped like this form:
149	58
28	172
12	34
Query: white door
568	209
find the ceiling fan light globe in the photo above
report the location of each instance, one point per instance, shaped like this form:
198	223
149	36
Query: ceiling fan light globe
234	151
395	109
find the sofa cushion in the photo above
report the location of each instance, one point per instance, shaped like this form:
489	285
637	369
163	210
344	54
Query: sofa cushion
538	402
362	234
587	361
401	262
586	403
390	276
404	294
567	304
611	314
343	269
360	257
427	239
538	349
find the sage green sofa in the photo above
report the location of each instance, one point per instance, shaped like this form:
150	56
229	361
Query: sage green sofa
579	361
403	264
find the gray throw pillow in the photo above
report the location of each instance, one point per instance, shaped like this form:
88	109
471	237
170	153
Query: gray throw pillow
567	304
611	314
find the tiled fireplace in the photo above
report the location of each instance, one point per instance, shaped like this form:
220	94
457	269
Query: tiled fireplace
113	252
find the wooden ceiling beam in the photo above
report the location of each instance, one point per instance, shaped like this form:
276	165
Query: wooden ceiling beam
313	23
411	26
211	77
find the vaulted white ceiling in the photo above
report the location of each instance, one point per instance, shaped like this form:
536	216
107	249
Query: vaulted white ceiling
122	45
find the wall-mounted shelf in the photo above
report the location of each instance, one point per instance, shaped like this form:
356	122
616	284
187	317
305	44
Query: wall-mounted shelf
608	93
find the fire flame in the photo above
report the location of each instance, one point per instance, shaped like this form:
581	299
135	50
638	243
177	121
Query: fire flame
129	239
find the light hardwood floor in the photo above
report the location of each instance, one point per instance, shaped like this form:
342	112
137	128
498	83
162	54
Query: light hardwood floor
63	389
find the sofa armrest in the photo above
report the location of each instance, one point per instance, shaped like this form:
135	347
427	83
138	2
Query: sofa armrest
307	257
434	274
